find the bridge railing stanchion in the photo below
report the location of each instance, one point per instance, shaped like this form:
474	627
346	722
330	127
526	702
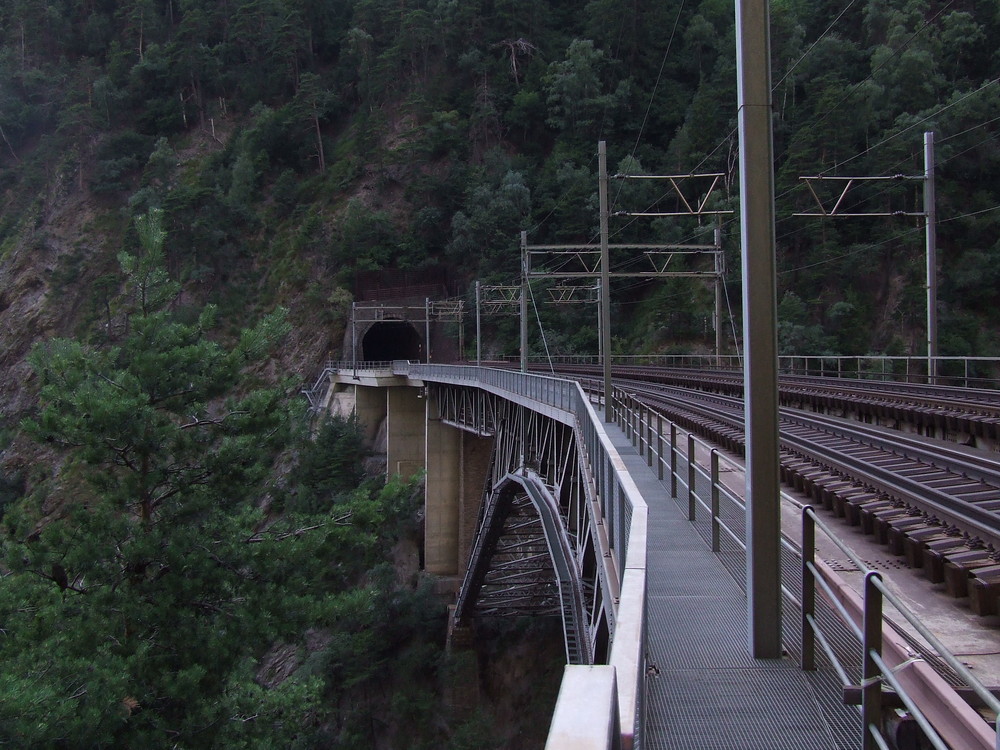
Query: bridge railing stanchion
659	447
715	501
673	459
808	594
871	676
691	477
649	437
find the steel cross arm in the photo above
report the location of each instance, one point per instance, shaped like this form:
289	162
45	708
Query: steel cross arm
849	182
654	214
502	293
659	257
442	310
446	310
622	275
675	180
500	299
584	249
567	295
855	216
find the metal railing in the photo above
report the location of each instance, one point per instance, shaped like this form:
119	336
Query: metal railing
693	468
941	723
685	460
965	372
315	393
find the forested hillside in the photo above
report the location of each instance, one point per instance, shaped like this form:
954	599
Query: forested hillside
292	142
187	189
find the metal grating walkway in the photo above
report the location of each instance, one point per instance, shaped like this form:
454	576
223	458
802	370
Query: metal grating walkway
703	689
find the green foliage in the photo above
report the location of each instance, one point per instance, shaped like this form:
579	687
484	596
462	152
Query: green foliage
416	100
796	333
330	465
579	101
143	580
119	159
487	228
366	238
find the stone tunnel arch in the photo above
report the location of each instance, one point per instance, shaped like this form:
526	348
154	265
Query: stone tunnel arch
391	339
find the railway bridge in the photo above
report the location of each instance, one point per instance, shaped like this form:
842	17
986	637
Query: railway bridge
632	532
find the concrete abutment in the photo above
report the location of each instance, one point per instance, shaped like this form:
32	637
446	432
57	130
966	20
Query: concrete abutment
403	422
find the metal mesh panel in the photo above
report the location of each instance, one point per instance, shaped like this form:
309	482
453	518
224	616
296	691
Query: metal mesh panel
725	709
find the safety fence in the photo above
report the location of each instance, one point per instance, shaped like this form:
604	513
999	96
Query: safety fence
878	668
961	372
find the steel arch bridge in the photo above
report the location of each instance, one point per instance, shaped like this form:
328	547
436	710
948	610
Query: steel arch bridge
529	508
540	546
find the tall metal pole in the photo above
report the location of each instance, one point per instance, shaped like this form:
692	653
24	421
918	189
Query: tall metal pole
759	329
479	332
600	328
720	269
602	166
427	326
524	301
354	337
930	224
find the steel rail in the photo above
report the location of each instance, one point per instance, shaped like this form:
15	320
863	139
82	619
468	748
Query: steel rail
939	454
948	508
973	403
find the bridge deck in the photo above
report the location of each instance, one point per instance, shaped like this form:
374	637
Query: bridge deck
704	690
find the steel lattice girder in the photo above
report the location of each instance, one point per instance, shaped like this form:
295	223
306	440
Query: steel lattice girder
540	499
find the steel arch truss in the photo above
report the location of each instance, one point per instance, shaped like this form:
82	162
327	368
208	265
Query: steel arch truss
538	548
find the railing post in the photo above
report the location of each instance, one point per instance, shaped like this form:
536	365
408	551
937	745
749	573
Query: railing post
649	436
659	447
673	459
715	501
808	662
871	677
692	506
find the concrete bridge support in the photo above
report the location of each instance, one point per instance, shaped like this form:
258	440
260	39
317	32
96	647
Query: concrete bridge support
476	454
405	437
370	407
456	464
443	493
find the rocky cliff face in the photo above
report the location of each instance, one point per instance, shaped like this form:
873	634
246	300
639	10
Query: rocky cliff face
36	303
59	275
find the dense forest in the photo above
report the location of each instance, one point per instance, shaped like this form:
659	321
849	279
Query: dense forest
187	190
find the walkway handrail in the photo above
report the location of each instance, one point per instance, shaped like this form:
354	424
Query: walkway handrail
876	670
677	461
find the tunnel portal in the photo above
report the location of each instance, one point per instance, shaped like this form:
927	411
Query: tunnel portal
389	340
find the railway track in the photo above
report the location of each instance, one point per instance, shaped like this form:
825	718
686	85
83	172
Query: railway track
937	504
969	416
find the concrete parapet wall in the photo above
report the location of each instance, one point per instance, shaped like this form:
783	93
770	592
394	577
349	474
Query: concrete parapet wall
586	715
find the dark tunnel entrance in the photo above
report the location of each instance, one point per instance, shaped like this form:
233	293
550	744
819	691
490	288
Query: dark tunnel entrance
390	340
